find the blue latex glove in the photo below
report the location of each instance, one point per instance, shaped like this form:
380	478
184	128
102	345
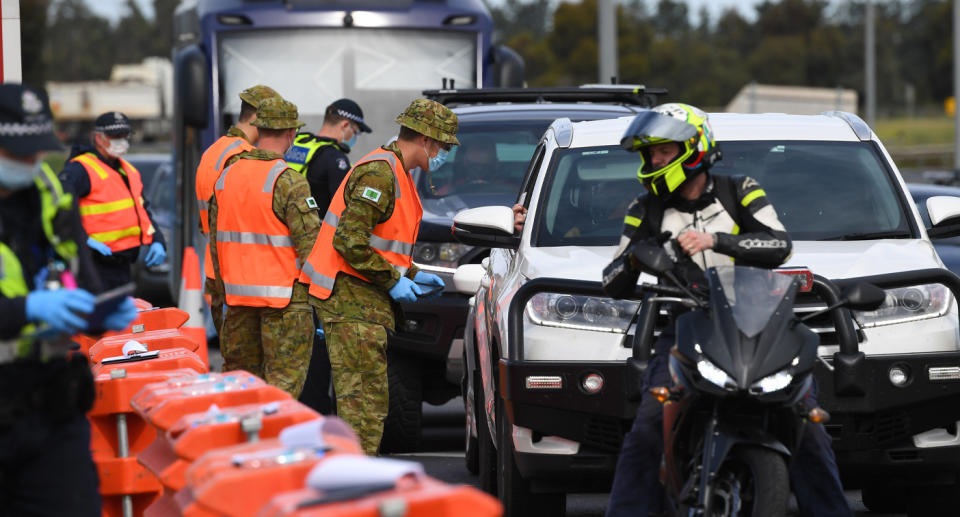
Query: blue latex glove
320	333
121	318
60	309
429	279
155	255
405	290
98	246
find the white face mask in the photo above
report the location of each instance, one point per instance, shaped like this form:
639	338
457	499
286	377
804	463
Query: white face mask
118	147
15	175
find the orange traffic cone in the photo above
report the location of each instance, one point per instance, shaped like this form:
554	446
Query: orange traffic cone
191	301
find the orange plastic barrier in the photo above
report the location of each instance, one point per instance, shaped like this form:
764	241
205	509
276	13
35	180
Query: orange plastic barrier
148	320
417	497
239	480
156	340
194	435
117	435
191	300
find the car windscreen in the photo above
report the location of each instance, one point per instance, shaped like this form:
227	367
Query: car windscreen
487	167
820	190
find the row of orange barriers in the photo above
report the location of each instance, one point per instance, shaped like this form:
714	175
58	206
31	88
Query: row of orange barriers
170	438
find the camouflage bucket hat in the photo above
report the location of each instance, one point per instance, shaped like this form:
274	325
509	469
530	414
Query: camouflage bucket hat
254	95
277	113
430	118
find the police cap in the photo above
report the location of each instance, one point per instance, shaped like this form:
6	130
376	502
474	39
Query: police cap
112	123
26	123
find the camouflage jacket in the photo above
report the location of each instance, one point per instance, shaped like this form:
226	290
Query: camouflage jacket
352	298
290	195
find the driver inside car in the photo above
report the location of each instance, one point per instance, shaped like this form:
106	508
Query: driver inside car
711	219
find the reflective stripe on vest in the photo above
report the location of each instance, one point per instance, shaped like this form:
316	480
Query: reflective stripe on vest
392	239
52	200
208	170
113	212
305	145
258	260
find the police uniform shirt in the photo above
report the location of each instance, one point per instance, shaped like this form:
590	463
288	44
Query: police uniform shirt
76	181
326	170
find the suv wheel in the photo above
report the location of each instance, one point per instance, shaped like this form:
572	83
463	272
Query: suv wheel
514	491
471	455
402	428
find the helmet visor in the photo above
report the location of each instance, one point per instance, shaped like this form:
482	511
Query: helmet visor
650	127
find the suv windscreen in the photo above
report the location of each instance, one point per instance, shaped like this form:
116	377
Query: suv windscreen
487	167
821	191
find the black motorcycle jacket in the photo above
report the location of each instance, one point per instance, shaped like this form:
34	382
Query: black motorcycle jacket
735	209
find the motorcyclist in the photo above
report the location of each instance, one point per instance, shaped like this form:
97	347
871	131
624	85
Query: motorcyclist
710	219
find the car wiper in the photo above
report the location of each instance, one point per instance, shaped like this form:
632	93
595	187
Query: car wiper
864	236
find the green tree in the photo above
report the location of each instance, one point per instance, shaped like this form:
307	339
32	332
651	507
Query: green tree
81	46
33	22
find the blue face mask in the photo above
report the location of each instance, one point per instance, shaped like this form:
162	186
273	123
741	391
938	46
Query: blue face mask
352	142
15	175
437	161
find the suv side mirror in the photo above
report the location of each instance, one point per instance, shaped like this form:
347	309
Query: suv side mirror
944	216
864	297
467	278
490	226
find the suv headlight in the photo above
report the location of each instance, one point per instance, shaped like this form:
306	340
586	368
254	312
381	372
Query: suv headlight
440	254
581	312
908	304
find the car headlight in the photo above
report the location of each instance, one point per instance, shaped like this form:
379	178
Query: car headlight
908	304
773	382
714	374
440	254
581	312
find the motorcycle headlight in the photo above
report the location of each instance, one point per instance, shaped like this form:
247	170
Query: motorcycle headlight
714	374
581	312
440	254
773	382
908	304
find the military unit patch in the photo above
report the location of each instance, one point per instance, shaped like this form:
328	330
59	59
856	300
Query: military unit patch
312	203
372	194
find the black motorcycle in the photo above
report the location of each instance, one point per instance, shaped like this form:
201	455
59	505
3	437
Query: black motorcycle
740	370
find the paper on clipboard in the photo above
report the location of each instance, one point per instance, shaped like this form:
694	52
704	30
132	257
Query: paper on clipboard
346	471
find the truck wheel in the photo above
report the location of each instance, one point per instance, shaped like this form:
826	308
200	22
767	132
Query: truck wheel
471	455
514	491
401	430
881	498
752	481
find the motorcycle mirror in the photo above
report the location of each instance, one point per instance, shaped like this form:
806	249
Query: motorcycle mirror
864	297
654	259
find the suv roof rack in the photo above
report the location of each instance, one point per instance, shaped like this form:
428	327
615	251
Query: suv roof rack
619	94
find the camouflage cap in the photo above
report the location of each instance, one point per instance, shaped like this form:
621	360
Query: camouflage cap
430	118
277	113
254	95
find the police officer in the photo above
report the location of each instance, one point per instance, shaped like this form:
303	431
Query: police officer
362	264
241	137
263	225
711	217
322	158
45	463
110	194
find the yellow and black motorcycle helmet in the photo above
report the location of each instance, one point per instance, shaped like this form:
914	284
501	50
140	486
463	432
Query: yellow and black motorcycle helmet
674	122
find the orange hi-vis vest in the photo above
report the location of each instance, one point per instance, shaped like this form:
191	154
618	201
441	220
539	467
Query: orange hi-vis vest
258	260
112	213
393	239
211	165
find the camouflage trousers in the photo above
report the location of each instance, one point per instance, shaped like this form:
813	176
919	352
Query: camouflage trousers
358	360
217	302
272	343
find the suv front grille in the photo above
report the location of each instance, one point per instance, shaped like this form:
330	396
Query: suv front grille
603	433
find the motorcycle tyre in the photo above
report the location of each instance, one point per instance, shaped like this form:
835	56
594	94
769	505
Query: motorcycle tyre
771	480
513	490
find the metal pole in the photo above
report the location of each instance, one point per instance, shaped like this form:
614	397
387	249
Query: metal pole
870	65
607	34
123	450
956	85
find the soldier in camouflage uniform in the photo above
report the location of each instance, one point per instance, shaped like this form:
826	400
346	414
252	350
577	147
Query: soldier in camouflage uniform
270	342
249	102
357	314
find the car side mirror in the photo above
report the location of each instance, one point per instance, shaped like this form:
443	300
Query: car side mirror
653	259
489	226
944	216
467	278
864	297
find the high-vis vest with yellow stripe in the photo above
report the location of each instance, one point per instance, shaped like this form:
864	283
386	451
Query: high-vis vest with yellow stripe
112	213
392	239
12	282
258	260
305	145
211	166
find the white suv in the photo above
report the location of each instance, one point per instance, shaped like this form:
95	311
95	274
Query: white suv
551	375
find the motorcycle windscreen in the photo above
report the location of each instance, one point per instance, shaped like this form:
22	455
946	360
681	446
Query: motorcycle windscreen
753	295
